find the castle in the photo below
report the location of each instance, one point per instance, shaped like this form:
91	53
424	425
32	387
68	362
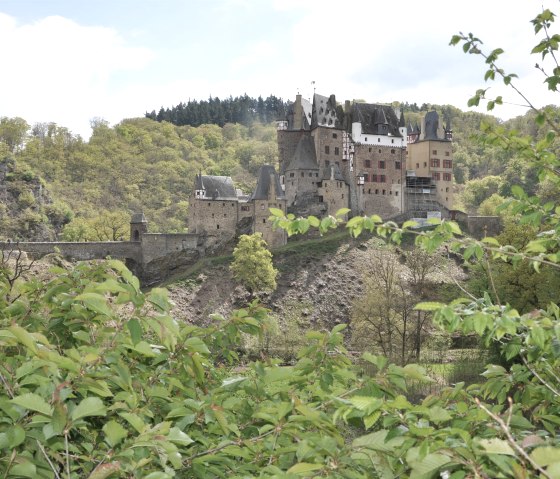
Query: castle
360	156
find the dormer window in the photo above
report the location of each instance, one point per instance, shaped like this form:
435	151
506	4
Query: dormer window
199	193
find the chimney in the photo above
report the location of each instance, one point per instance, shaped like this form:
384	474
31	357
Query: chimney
298	113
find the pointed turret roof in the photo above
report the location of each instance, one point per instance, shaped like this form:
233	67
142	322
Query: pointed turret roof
305	157
267	179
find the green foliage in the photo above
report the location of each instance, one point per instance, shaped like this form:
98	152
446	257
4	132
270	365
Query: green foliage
252	264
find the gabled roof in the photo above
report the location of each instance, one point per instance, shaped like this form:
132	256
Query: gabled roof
267	175
337	173
305	157
306	117
370	115
324	112
216	187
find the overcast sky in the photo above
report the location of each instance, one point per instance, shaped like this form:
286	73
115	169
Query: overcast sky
69	61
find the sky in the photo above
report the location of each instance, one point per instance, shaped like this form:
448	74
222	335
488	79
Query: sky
70	61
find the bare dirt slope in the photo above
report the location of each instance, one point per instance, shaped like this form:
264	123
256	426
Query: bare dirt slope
317	281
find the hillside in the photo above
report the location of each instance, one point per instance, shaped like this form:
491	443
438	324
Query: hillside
319	282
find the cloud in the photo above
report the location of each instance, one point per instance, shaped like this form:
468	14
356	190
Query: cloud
55	69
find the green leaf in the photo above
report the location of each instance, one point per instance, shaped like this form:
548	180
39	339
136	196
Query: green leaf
34	402
12	438
429	306
158	297
304	467
496	446
95	302
428	466
114	432
197	345
545	456
25	468
314	221
90	406
179	437
24	337
135	330
342	212
278	213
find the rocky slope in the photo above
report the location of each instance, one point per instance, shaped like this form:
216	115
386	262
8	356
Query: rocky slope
317	282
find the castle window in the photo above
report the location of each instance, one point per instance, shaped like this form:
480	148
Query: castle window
217	227
302	174
367	163
245	208
392	140
369	149
383	191
369	191
396	193
208	204
310	174
264	220
434	152
225	215
447	164
336	150
382	178
378	140
342	195
392	152
233	204
316	175
436	176
262	206
366	177
136	235
223	204
425	164
381	164
366	138
334	135
390	192
292	175
327	149
447	177
417	165
397	165
447	189
379	150
327	163
376	192
374	179
212	215
446	153
434	163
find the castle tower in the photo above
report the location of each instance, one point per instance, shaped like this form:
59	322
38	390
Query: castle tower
138	226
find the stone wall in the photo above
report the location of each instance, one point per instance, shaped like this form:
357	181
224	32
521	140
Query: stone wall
82	251
384	170
334	193
328	145
213	217
155	246
263	225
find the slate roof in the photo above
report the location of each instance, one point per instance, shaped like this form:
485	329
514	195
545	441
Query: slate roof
370	115
337	173
324	112
306	119
431	121
305	157
264	184
138	218
216	187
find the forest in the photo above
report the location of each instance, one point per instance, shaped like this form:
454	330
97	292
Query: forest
101	379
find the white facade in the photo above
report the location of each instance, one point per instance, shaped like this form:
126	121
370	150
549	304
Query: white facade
381	140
